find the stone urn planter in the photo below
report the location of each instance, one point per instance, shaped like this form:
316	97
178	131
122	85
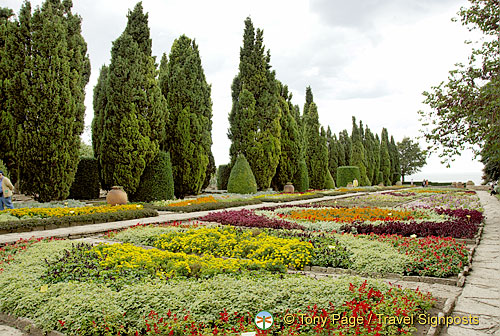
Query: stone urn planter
289	188
116	196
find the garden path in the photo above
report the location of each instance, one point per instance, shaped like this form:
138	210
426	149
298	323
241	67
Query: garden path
481	293
9	331
165	216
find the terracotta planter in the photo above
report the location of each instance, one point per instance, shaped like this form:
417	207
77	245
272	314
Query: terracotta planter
116	196
289	188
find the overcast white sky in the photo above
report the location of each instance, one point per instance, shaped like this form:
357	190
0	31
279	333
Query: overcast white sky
367	58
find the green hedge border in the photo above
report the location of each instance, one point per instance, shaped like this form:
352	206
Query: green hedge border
291	198
27	225
204	206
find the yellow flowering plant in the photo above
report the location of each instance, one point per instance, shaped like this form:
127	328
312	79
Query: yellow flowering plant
61	212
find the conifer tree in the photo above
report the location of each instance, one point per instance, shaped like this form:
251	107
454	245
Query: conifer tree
376	157
190	117
52	72
395	165
255	96
135	112
316	149
370	153
290	142
346	142
357	157
385	159
99	103
8	127
333	153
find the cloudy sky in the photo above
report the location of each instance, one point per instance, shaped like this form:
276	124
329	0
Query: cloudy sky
367	58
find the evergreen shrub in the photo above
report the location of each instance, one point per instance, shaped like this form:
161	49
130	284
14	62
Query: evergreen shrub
301	182
223	176
157	182
347	174
241	180
330	183
86	184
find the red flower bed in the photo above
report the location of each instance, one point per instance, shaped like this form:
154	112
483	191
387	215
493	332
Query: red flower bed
464	226
453	228
248	218
432	256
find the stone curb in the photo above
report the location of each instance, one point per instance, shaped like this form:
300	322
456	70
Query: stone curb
25	325
388	276
447	309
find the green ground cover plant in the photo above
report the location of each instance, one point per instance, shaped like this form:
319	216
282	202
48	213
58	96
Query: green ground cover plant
219	303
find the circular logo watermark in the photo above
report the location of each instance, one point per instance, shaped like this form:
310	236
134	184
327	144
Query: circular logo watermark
264	320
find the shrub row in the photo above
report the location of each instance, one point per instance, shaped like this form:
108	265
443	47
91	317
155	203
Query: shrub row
290	198
25	225
205	206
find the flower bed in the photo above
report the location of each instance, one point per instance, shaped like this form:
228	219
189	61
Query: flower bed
433	256
288	197
220	304
450	200
61	212
220	204
350	215
248	218
35	224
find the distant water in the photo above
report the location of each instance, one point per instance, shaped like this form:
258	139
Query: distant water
444	176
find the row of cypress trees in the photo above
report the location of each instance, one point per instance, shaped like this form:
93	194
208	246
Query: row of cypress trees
140	110
282	145
44	68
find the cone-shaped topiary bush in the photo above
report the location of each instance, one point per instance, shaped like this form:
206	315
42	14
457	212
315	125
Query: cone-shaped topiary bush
347	174
329	183
157	182
241	180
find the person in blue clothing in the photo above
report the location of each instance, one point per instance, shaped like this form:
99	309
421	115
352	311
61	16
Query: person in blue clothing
6	191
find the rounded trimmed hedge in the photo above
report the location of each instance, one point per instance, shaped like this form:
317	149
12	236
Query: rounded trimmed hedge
241	180
157	181
347	174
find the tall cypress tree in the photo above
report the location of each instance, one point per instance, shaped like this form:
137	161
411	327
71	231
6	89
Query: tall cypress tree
395	165
376	161
370	153
385	159
346	142
8	134
357	157
255	88
333	153
135	112
316	149
290	142
99	103
51	85
190	108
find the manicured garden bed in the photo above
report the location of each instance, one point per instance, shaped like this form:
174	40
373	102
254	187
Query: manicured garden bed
47	283
33	219
363	253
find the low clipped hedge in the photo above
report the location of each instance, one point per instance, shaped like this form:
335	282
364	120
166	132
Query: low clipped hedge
205	206
37	224
86	184
291	198
347	174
